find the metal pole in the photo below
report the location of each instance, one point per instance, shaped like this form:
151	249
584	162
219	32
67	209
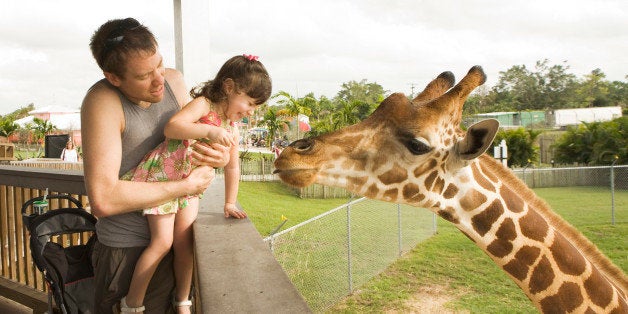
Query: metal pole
349	277
399	227
178	35
613	191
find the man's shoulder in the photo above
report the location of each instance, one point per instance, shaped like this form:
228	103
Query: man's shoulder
101	89
177	84
173	74
101	99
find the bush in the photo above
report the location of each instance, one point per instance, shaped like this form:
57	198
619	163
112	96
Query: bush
595	143
521	147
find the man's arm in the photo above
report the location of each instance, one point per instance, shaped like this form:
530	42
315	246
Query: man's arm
102	122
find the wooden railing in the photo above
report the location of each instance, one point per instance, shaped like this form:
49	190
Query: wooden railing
232	261
20	280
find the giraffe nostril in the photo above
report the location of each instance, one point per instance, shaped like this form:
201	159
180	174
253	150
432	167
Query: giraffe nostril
302	145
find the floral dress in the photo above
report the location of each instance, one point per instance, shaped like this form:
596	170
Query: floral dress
170	160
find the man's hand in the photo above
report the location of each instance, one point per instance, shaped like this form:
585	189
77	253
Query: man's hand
213	155
200	178
232	211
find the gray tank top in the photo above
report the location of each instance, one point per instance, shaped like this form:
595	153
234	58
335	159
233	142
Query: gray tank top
143	131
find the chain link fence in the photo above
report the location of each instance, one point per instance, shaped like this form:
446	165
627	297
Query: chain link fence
330	255
609	181
327	256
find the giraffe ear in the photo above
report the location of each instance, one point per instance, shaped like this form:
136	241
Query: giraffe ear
478	139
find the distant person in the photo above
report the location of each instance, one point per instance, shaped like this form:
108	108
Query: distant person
241	85
123	118
276	150
69	153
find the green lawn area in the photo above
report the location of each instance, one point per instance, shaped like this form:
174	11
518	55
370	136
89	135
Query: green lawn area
266	202
448	264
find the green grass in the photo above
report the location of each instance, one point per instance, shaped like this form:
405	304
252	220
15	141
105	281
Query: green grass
21	154
452	262
448	261
266	202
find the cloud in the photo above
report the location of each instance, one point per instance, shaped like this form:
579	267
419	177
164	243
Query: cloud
315	46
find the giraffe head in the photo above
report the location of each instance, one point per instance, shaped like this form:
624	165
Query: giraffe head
382	156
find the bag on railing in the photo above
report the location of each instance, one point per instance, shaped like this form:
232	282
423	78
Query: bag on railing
67	268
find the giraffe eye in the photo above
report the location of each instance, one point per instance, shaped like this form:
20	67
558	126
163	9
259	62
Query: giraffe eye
418	147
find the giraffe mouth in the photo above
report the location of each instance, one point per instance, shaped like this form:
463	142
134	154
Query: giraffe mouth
297	177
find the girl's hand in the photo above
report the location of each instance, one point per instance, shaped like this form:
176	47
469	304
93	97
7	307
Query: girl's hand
221	136
232	211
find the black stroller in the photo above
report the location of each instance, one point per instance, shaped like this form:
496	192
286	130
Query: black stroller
68	269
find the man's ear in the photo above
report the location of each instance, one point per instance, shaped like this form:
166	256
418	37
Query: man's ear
112	78
478	139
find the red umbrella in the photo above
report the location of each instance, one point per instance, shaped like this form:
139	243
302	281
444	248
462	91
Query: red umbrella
303	126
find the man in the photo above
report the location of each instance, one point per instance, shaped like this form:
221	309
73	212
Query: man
123	118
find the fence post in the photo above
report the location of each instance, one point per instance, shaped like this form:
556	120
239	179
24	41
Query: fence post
350	279
399	227
613	191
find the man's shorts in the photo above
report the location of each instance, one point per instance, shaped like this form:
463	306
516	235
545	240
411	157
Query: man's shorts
113	270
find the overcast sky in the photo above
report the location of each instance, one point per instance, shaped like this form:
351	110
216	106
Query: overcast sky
315	46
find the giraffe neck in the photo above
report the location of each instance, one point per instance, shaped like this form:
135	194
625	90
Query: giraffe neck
537	249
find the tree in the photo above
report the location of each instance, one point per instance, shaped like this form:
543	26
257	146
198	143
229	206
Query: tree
618	94
594	143
368	96
293	106
593	91
521	147
41	128
347	114
274	123
8	127
20	113
546	87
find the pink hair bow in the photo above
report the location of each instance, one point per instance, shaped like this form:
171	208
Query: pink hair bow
251	57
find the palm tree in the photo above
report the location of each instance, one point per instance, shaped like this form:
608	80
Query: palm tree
273	122
294	107
41	128
347	114
8	127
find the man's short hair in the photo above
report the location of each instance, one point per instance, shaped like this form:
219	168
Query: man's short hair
114	41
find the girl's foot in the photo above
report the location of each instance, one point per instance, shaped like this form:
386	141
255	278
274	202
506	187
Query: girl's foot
124	308
182	307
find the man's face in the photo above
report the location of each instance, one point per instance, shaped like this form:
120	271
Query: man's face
143	80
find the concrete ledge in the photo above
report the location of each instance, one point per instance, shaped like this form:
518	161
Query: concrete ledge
237	272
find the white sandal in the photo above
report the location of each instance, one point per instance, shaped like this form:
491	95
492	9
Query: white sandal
126	309
176	303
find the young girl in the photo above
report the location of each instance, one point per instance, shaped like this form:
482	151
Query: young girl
241	84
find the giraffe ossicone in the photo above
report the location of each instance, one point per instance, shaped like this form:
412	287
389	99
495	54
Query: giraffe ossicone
414	152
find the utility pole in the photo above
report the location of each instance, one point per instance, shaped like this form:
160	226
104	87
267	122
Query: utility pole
412	90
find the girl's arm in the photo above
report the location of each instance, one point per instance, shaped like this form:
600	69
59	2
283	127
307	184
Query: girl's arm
232	182
183	124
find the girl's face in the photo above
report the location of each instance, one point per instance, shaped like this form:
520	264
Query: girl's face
240	105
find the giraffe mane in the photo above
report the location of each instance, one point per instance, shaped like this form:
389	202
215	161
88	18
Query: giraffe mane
586	247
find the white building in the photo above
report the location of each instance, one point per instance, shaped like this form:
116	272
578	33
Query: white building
64	119
564	117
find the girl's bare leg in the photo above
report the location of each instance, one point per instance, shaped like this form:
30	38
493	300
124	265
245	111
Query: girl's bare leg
161	236
184	252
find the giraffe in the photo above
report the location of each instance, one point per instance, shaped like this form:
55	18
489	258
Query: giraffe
414	152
